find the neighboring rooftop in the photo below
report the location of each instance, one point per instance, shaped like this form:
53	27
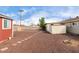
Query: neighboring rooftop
71	19
66	21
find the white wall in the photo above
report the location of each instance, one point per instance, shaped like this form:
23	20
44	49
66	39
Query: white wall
58	29
61	29
49	28
74	29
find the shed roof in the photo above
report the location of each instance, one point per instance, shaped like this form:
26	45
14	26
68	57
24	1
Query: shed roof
4	16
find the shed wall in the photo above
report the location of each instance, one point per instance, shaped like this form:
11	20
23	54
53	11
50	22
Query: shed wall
6	33
49	28
61	29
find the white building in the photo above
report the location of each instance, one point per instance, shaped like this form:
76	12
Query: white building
56	28
70	25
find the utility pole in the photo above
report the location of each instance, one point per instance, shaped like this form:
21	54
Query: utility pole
21	17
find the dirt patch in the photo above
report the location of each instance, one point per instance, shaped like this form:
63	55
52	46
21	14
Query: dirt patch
73	43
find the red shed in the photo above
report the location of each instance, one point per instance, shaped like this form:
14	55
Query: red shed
5	28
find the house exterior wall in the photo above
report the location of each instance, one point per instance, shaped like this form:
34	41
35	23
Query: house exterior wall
73	28
0	29
5	33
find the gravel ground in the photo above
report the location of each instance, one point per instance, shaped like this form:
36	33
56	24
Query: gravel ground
35	41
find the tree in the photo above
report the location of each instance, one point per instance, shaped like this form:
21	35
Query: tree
42	23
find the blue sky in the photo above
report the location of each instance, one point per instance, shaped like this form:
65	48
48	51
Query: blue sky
32	14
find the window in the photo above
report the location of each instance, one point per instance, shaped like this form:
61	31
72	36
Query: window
73	23
52	24
6	24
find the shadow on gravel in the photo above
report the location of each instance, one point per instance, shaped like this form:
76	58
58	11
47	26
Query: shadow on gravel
73	36
44	31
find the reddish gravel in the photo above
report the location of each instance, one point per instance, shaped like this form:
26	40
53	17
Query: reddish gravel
41	43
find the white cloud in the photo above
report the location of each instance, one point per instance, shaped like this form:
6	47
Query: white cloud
11	15
71	12
25	11
50	20
35	18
